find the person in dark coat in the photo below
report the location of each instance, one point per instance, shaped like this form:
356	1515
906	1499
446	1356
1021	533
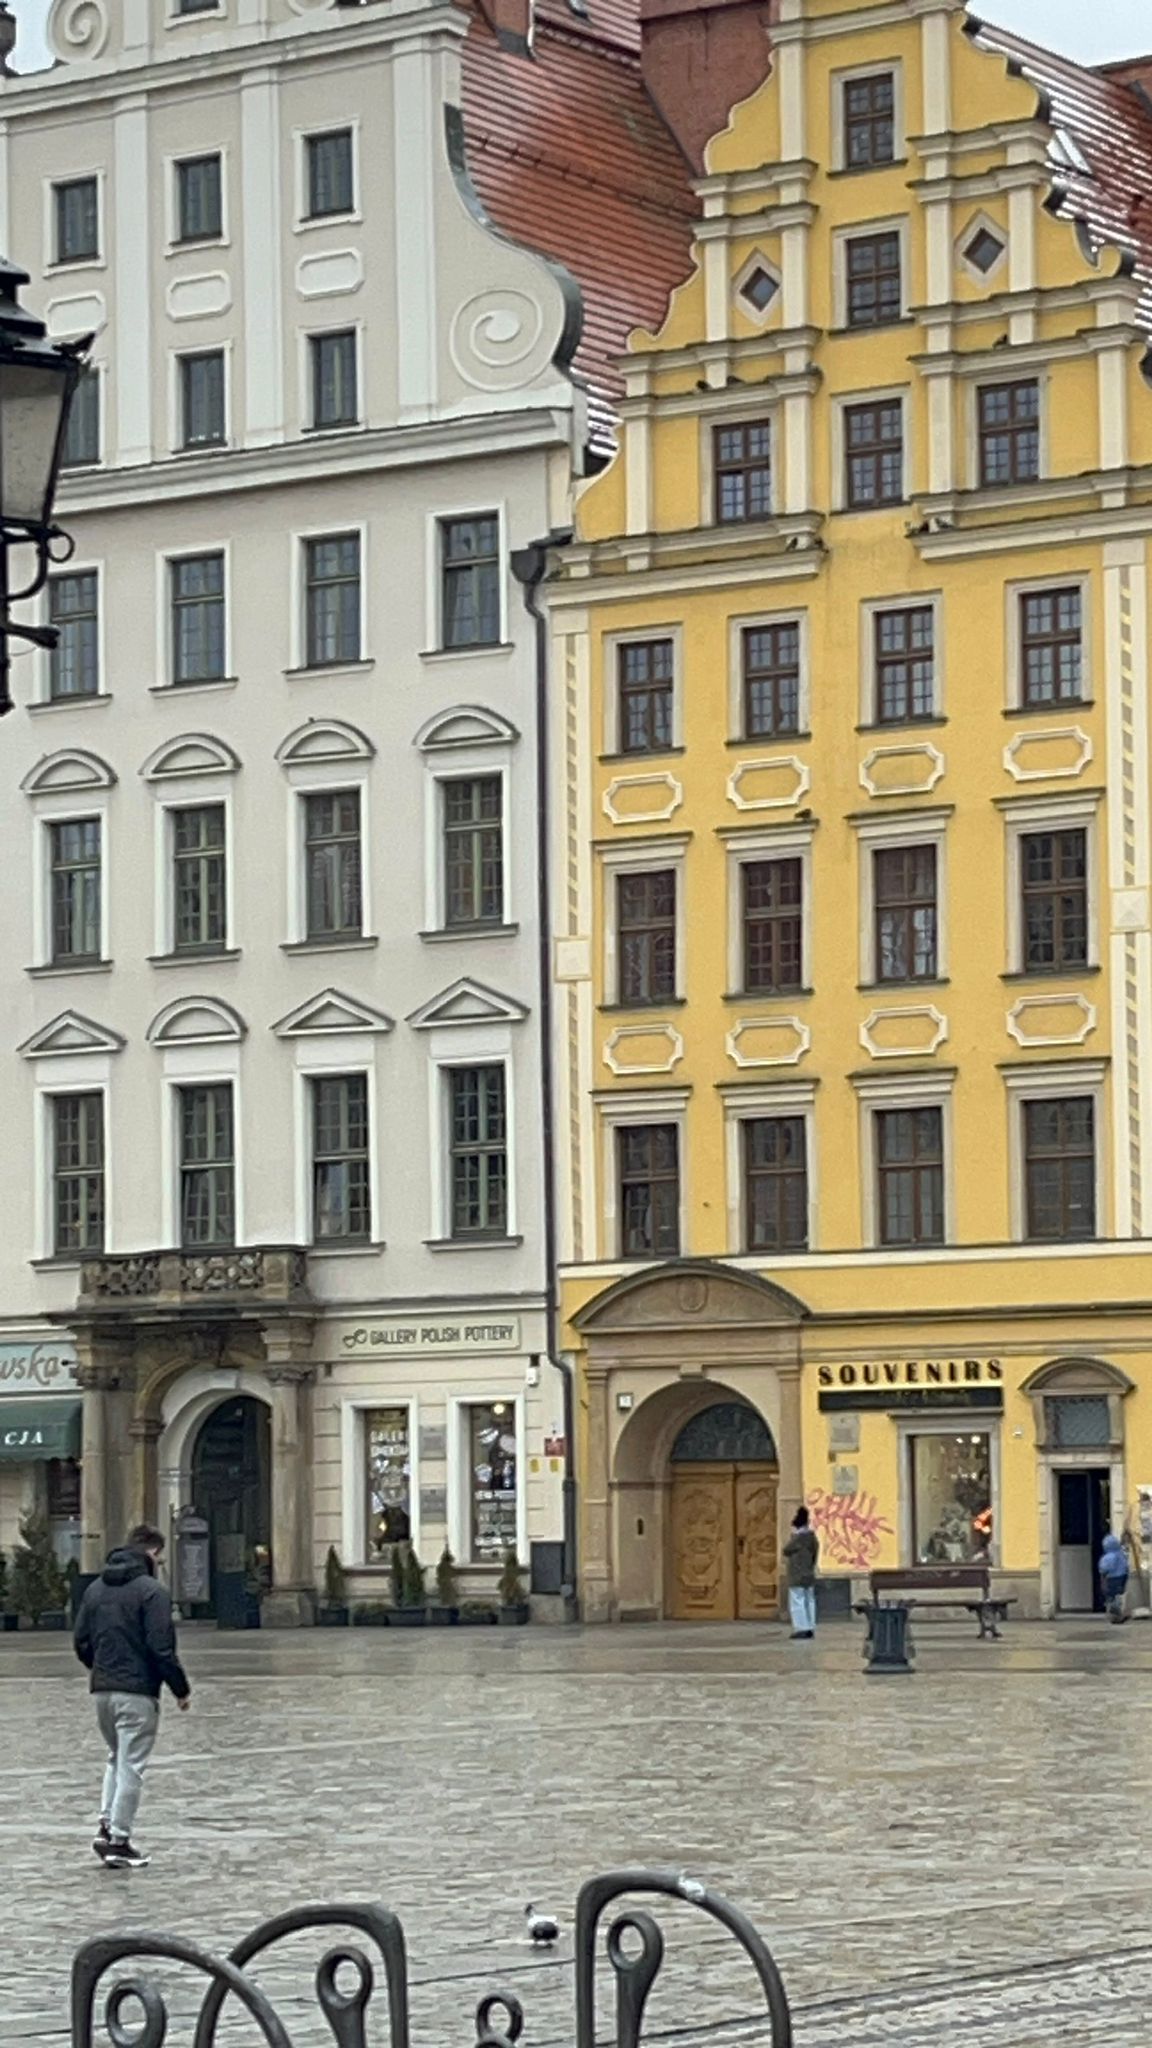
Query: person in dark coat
126	1637
801	1553
1113	1569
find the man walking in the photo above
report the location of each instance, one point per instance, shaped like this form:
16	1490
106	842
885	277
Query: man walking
126	1636
800	1554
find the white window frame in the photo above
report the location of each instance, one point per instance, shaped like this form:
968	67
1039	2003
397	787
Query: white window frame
760	406
639	857
476	508
172	161
74	176
841	402
176	358
187	796
342	1058
838	126
611	645
779	842
862	231
977	380
1036	1082
936	1422
198	1067
303	221
747	1103
1057	813
325	779
89	566
165	642
73	1081
459	1474
353	1471
68	813
301	535
472	1047
903	1091
1037	586
462	767
618	1111
305	338
882	835
870	609
788	615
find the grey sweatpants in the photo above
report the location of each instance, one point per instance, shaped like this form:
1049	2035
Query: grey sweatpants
128	1722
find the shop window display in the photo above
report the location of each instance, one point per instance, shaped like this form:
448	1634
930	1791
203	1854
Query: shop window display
951	1493
389	1460
492	1468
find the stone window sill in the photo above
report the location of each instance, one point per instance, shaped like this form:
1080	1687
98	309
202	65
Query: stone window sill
766	995
318	673
1052	974
444	934
903	724
355	1248
359	943
642	1009
70	703
1065	704
194	684
902	986
471	1244
638	754
56	967
194	957
467	653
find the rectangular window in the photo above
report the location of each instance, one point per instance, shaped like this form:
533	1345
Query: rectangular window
73	608
874	454
478	1151
910	1175
341	1198
492	1481
874	296
646	936
470	581
869	121
474	851
1051	647
905	664
202	411
770	660
77	1173
775	1184
645	675
388	1477
904	896
951	1495
332	600
1009	430
335	399
1054	908
207	1166
1078	1422
648	1163
773	922
198	6
82	433
332	865
1060	1168
742	462
197	583
199	199
199	885
77	205
75	890
330	182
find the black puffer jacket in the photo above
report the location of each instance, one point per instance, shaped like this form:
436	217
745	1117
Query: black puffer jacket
125	1633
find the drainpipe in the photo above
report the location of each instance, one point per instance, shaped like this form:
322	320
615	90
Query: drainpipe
529	566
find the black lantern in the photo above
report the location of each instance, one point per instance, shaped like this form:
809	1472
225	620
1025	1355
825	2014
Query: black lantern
37	381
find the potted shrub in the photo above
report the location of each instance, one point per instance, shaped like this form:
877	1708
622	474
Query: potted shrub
513	1594
332	1611
39	1588
9	1618
409	1598
477	1614
445	1609
371	1614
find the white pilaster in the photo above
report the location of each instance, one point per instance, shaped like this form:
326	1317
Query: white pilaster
794	275
263	335
936	56
4	176
416	150
793	112
941	433
638	474
1129	878
798	452
131	339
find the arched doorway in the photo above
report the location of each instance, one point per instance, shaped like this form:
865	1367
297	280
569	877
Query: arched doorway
232	1489
723	1554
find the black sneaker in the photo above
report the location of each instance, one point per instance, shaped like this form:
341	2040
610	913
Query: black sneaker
103	1841
122	1856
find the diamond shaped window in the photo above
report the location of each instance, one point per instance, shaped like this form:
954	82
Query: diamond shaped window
984	250
759	289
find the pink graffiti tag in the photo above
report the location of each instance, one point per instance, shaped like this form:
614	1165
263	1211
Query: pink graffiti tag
848	1526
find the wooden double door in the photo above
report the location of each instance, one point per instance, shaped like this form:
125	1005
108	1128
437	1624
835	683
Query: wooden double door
723	1554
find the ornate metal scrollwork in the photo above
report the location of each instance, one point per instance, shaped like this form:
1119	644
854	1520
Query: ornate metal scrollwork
346	1975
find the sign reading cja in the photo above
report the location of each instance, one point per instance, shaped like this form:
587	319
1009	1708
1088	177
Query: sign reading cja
915	1372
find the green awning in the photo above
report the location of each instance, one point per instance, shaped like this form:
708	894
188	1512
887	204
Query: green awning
34	1430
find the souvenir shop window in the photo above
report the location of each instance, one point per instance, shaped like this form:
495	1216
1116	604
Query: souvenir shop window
493	1477
388	1454
951	1495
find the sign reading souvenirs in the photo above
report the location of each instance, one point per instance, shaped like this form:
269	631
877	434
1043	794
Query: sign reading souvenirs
915	1372
455	1333
48	1367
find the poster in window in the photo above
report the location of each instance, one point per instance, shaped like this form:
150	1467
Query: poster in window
493	1470
389	1480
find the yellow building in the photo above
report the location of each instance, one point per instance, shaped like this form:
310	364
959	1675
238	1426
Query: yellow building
854	1014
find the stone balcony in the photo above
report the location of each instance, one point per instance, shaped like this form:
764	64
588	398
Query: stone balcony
259	1277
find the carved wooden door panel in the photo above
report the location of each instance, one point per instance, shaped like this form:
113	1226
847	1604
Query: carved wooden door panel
703	1561
757	1555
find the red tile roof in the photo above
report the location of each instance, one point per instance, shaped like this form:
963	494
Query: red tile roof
1109	122
570	157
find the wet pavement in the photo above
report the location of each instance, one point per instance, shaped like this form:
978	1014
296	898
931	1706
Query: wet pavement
963	1853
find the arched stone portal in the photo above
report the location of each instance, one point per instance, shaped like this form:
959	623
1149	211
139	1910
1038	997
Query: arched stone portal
662	1347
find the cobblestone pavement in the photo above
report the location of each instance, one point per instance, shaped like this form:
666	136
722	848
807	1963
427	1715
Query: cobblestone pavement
967	1852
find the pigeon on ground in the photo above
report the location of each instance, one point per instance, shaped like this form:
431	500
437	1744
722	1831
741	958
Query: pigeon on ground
542	1928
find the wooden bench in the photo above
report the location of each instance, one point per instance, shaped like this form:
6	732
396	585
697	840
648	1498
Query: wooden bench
949	1585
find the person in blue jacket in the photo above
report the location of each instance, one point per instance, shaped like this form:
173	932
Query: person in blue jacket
1114	1577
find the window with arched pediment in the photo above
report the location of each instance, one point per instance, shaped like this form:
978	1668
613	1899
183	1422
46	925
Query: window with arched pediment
725	1434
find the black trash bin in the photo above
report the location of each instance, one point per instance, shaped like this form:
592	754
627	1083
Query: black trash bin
888	1646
